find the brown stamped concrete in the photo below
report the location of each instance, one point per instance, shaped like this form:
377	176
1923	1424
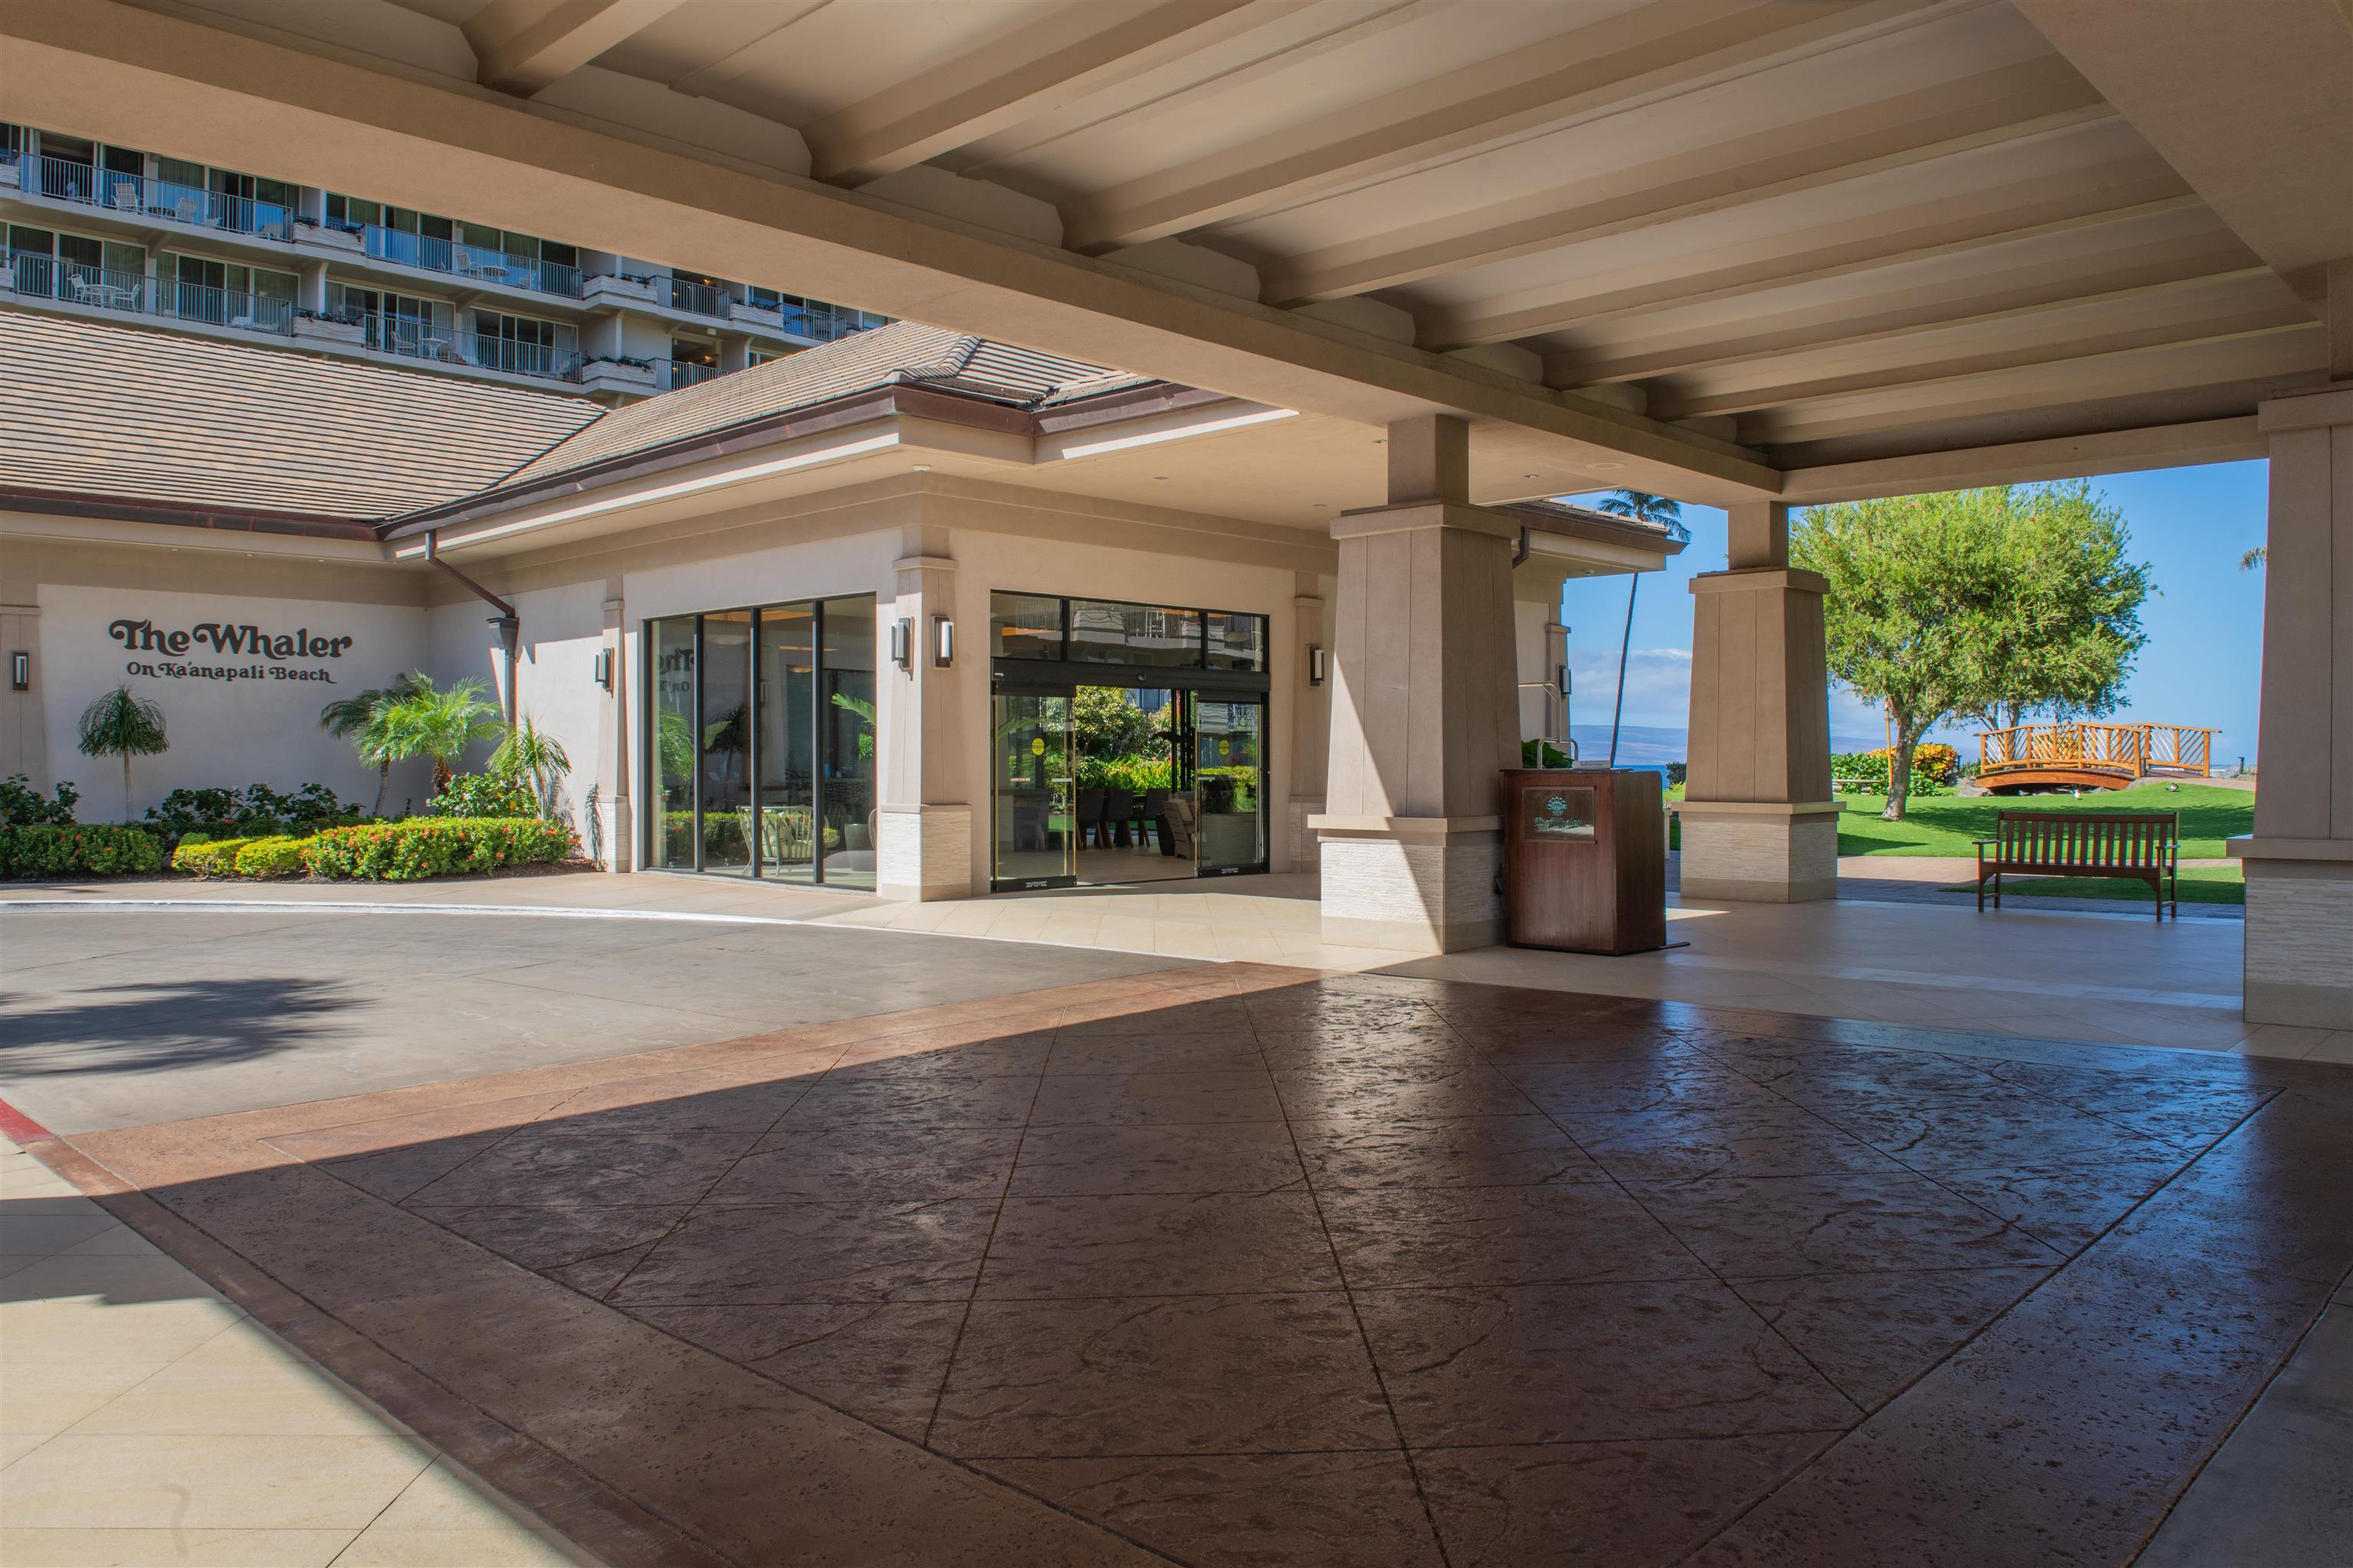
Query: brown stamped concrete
1244	1264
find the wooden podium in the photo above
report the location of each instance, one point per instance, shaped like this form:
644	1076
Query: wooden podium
1585	859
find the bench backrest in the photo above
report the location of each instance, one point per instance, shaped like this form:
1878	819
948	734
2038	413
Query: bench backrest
2134	840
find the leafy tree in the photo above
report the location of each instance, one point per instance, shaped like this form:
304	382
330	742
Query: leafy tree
536	758
1975	602
1641	506
351	718
123	723
864	711
1106	724
433	721
2255	557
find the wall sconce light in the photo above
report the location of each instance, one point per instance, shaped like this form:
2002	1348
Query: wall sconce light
900	637
605	668
1317	663
20	671
942	642
1564	680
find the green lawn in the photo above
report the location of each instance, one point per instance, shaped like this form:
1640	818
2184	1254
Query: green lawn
2199	884
1948	824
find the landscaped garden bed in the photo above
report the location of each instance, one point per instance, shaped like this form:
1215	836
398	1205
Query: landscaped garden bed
406	851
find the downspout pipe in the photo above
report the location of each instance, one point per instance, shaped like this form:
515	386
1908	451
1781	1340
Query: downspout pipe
508	622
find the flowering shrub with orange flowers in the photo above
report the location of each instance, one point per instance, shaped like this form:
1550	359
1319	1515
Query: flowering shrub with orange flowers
438	846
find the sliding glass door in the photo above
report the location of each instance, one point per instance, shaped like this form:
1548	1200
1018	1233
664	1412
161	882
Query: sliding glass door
760	751
1030	790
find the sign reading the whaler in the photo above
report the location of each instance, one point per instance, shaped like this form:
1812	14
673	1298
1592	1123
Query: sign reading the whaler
267	654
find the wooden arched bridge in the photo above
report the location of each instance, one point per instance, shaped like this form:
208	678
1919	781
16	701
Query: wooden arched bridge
2090	756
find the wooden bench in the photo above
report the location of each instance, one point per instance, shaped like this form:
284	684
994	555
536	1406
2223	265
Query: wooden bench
2144	846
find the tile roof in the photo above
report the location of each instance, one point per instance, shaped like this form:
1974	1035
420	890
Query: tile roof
157	417
901	354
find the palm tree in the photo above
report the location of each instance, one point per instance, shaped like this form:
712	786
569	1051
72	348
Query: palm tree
434	721
2255	557
123	723
1643	506
526	753
351	718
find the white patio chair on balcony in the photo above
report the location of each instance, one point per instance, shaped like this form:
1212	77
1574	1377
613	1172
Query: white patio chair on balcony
125	195
189	209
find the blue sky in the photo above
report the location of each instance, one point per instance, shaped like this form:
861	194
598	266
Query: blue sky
2203	664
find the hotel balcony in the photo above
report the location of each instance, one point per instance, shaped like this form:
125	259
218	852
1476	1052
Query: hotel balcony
140	197
135	293
475	262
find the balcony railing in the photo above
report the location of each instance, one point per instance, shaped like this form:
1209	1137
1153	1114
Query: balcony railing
702	298
224	307
826	323
439	345
669	375
43	277
145	198
478	262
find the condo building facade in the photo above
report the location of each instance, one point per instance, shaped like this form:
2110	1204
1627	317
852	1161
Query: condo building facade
124	235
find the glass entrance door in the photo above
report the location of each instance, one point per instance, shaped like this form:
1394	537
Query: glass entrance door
1227	737
1031	789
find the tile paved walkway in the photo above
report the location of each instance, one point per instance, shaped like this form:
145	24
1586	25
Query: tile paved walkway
145	1419
1237	1263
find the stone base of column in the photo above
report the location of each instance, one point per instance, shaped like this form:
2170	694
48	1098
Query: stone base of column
1417	885
2299	933
923	852
616	835
1306	848
1761	851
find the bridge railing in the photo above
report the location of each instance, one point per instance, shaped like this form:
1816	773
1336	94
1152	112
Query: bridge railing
2131	750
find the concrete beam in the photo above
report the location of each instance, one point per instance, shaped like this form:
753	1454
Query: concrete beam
326	118
2030	462
1026	74
2271	353
2152	273
524	45
2037	97
1646	51
1923	231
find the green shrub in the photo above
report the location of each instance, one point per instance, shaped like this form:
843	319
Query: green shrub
43	850
281	856
22	806
255	811
484	795
200	856
437	846
1135	775
1542	754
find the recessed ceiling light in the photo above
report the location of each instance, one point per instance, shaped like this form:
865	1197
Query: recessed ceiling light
923	468
1605	466
1161	477
1527	476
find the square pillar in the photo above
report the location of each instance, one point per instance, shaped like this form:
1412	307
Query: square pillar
2299	860
616	829
1760	823
923	823
1424	716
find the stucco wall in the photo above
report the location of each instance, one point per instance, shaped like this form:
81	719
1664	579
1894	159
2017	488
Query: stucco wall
234	718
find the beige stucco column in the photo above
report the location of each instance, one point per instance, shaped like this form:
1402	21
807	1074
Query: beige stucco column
923	822
1311	722
2299	860
24	733
1758	822
615	827
1423	708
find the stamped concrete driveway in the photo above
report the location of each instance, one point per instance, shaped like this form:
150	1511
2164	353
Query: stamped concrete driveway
115	1017
1241	1264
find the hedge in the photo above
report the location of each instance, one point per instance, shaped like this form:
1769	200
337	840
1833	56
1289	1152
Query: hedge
276	856
201	856
437	846
46	850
